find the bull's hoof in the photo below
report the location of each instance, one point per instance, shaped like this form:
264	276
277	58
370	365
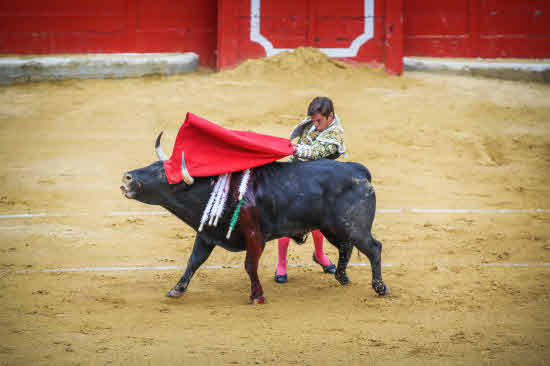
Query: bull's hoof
380	287
256	300
342	278
174	293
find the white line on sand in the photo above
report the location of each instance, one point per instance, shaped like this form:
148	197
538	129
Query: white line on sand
225	266
32	215
382	210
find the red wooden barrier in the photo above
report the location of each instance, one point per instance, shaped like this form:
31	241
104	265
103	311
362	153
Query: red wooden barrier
351	30
477	28
227	32
512	28
107	26
394	36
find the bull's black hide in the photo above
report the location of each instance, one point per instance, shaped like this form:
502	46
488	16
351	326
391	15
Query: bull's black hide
283	199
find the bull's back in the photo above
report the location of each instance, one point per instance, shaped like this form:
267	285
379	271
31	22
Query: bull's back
321	169
293	197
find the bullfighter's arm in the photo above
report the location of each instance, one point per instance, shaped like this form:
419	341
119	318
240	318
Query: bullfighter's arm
326	145
316	151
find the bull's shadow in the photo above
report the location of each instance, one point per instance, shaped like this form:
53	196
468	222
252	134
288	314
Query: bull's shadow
283	199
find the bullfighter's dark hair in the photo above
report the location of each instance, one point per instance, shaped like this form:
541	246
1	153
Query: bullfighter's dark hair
321	105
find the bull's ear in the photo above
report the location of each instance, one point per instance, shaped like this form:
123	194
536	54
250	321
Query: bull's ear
181	186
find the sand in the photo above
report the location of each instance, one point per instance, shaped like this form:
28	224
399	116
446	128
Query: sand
430	141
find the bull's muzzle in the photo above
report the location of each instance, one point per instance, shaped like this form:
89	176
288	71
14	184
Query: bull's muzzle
130	186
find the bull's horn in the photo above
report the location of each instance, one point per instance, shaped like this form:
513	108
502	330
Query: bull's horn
187	178
162	156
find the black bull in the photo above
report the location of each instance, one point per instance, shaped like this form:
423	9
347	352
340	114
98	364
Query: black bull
283	199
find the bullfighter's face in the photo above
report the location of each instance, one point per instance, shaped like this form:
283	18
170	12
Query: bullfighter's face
321	122
148	185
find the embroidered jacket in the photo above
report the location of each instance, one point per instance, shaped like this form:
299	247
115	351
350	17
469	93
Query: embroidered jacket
313	145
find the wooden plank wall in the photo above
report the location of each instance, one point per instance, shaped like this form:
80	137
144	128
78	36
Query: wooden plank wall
256	28
477	28
227	32
109	26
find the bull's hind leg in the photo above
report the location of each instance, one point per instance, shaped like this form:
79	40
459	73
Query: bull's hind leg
253	253
254	248
372	248
344	253
201	252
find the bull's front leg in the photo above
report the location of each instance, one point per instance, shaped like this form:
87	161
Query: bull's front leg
344	254
201	252
254	248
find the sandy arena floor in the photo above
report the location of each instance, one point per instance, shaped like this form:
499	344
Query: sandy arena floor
430	141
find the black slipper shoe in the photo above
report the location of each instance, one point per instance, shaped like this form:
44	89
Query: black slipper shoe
331	268
281	278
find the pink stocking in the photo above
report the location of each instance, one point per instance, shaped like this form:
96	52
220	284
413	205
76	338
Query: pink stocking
319	253
283	246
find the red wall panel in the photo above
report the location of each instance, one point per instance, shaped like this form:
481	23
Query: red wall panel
477	28
434	18
511	28
63	26
435	28
178	26
283	24
504	17
284	32
394	37
220	30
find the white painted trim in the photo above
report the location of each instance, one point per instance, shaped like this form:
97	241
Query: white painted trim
351	51
422	63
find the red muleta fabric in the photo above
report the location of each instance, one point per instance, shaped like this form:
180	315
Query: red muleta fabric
213	150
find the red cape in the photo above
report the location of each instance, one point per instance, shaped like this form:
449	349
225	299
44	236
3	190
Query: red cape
213	150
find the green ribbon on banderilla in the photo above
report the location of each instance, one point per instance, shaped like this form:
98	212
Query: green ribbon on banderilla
242	190
215	206
234	219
